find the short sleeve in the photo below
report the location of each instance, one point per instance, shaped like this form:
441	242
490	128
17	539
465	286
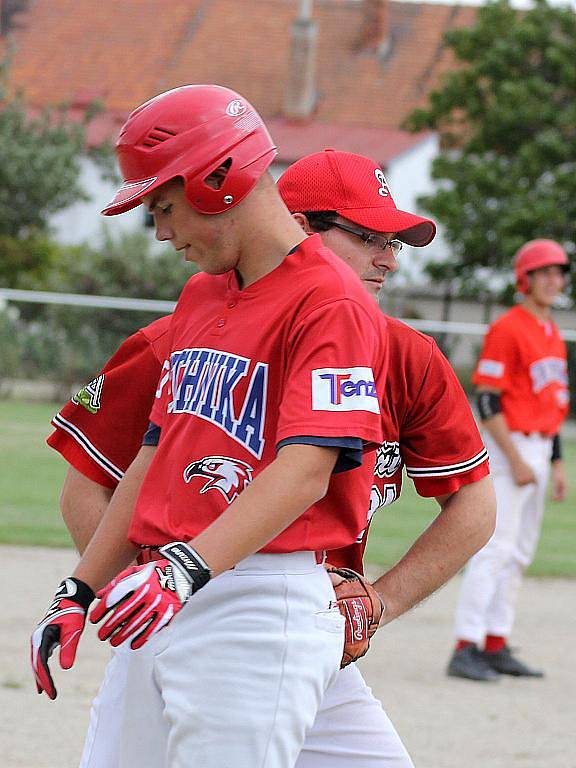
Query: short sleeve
99	431
439	439
162	394
335	371
496	361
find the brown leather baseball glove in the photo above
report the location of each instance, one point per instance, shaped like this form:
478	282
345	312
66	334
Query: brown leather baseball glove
362	608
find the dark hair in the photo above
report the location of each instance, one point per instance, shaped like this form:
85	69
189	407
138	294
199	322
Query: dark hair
320	221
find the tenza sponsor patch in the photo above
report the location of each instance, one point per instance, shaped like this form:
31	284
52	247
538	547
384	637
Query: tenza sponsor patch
344	389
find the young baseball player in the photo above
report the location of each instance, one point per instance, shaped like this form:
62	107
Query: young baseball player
267	402
522	384
429	421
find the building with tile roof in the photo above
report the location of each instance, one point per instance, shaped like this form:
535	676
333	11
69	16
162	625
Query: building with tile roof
341	73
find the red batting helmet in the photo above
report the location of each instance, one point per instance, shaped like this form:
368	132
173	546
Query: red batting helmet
188	132
535	255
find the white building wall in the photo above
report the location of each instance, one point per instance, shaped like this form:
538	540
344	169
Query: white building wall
83	221
408	176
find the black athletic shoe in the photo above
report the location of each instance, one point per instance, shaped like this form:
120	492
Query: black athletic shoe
506	663
470	663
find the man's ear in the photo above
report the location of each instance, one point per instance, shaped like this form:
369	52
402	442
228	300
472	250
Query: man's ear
218	176
303	221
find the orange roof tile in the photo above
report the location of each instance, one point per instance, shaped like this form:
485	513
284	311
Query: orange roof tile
124	53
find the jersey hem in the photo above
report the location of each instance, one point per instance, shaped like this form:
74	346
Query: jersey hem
95	455
448	469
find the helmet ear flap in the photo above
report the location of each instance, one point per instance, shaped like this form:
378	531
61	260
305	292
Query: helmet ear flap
217	177
522	284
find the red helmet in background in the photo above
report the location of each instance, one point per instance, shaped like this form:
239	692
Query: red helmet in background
535	255
188	132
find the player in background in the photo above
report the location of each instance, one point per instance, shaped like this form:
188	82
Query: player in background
522	383
266	404
430	428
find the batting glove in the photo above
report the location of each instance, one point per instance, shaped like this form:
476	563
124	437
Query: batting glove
144	599
63	626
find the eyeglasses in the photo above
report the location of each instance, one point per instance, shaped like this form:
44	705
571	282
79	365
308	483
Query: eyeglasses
371	239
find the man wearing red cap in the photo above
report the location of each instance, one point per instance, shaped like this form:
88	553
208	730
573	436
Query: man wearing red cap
523	395
429	428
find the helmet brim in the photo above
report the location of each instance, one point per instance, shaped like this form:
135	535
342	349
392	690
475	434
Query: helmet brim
129	195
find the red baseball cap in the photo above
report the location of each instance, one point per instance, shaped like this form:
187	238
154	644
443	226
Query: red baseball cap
356	188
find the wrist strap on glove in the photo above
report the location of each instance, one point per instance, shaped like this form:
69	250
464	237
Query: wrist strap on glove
75	590
190	571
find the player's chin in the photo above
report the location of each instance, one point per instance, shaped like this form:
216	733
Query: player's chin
373	286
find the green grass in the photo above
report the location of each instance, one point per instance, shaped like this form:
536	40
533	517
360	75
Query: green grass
396	526
31	476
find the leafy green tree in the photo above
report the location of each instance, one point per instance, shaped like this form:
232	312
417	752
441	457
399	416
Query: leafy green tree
506	117
70	344
40	156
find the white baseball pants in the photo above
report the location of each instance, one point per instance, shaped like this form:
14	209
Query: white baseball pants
235	681
492	578
350	729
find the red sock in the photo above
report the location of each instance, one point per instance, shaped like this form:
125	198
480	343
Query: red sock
463	644
494	643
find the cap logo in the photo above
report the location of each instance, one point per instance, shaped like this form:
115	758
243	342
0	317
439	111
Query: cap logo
236	108
381	179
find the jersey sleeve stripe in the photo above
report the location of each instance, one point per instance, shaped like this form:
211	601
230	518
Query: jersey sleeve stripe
449	469
91	450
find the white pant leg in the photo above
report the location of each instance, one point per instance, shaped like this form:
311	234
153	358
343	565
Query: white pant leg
115	722
102	743
351	729
145	731
484	570
502	610
240	673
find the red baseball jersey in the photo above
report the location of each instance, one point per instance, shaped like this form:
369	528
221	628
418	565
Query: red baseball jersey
525	359
428	428
298	356
99	431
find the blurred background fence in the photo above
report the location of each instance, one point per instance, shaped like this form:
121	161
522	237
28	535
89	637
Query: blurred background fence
51	343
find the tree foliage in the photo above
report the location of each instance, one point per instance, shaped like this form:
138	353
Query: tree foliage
70	344
506	116
40	157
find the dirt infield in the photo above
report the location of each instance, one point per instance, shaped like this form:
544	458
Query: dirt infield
445	723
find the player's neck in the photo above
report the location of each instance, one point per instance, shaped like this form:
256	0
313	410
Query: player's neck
268	237
540	311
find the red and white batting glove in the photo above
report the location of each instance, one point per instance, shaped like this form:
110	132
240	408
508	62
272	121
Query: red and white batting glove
144	599
63	626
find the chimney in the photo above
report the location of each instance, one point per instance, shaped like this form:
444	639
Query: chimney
300	98
375	27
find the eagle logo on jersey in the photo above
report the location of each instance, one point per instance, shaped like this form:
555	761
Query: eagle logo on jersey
388	459
90	396
227	475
